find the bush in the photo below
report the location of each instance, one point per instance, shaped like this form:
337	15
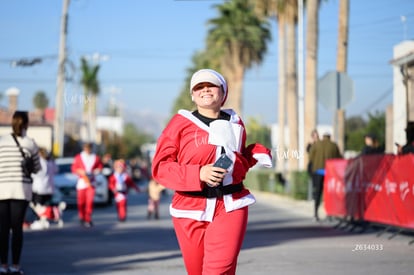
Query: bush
299	184
267	180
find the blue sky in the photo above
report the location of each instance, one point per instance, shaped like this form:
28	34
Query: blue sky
149	45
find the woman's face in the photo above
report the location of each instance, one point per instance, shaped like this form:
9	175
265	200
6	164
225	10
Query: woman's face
208	96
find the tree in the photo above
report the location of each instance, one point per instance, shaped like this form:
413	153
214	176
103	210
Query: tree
91	90
40	102
376	125
239	38
257	132
355	131
357	127
311	68
285	11
128	145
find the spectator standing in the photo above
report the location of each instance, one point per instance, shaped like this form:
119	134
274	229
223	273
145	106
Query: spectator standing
314	138
154	195
16	190
409	134
319	153
371	145
119	183
210	205
86	165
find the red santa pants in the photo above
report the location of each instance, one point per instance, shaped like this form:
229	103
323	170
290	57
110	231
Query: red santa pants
85	203
121	206
212	247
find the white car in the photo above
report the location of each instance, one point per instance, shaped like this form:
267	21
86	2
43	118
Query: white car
65	184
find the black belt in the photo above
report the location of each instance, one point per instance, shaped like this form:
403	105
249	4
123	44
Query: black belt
215	192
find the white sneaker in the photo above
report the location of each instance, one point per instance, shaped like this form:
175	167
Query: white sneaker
60	223
40	225
36	225
62	205
45	224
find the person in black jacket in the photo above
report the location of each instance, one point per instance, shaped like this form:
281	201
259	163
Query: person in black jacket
371	145
409	146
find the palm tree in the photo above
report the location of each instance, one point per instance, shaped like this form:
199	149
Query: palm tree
341	66
239	37
273	9
285	11
40	101
291	10
312	33
91	90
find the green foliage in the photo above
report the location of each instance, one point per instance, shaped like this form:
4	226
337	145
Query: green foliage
238	35
128	145
263	180
257	132
357	127
89	77
376	125
267	180
40	100
299	185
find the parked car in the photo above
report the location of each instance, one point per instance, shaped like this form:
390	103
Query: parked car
65	184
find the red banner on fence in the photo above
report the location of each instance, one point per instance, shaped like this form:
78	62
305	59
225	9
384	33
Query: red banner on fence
376	188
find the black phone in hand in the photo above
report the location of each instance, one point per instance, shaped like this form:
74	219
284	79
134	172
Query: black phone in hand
223	162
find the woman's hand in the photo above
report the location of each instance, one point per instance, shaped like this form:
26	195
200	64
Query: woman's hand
212	175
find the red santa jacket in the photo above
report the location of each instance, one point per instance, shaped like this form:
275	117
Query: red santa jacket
185	145
121	183
80	163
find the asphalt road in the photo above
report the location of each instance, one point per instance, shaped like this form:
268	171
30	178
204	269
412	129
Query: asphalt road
281	238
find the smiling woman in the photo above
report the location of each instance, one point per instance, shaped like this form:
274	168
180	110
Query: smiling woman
210	204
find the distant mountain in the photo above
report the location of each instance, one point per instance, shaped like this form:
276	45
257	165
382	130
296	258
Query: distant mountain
147	122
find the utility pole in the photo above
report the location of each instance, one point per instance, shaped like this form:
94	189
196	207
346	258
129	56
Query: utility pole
59	121
341	67
301	91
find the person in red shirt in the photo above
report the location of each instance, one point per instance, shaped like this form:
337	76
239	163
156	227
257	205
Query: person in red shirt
210	203
86	165
119	183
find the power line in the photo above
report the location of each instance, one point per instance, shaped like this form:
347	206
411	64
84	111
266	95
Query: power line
27	61
378	100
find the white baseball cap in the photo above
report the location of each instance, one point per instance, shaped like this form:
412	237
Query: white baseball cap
210	76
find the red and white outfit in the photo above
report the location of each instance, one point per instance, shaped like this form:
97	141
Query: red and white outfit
210	231
119	183
85	188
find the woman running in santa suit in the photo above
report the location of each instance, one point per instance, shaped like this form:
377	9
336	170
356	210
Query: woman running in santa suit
210	204
86	165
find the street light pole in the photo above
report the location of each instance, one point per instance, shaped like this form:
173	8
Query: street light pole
59	120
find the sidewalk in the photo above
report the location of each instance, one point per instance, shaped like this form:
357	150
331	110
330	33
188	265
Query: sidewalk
299	207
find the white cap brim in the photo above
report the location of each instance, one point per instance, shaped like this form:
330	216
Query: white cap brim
204	76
